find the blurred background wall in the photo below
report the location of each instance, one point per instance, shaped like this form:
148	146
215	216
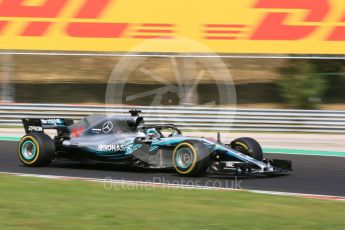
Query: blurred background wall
260	83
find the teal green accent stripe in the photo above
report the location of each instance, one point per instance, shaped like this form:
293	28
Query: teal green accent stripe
9	138
304	152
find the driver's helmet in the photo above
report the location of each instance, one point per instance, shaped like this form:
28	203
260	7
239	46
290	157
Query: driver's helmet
152	133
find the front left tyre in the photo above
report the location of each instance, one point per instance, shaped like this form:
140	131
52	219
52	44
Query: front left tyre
36	150
191	158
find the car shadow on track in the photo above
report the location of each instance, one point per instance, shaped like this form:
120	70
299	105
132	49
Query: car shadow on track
137	170
107	167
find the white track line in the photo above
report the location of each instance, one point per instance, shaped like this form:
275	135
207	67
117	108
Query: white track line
178	186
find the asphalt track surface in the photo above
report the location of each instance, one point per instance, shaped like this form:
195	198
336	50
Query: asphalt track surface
312	174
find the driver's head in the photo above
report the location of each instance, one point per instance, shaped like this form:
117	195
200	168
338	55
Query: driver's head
152	133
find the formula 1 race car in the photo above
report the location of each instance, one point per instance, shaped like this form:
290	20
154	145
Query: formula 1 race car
126	140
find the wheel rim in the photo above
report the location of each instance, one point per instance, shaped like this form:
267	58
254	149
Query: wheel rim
184	158
242	149
28	150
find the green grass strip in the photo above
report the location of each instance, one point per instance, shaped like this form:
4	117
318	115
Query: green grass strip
36	203
304	152
4	138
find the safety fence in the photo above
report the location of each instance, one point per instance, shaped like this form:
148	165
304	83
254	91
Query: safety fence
191	118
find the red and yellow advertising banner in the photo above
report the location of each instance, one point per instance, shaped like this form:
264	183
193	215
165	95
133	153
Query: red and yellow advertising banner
220	26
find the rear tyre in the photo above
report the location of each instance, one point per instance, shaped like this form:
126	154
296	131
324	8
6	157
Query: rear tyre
249	147
36	150
191	158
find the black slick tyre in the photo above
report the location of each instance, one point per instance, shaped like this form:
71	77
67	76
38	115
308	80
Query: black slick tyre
248	146
36	150
191	158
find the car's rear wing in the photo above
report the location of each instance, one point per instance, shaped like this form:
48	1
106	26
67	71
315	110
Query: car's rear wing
36	125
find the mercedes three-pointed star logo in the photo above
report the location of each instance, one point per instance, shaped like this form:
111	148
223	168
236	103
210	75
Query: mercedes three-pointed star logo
107	127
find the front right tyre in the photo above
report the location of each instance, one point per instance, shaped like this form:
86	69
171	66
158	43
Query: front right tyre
249	147
36	150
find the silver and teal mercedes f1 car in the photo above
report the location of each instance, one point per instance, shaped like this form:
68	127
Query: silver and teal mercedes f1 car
126	140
